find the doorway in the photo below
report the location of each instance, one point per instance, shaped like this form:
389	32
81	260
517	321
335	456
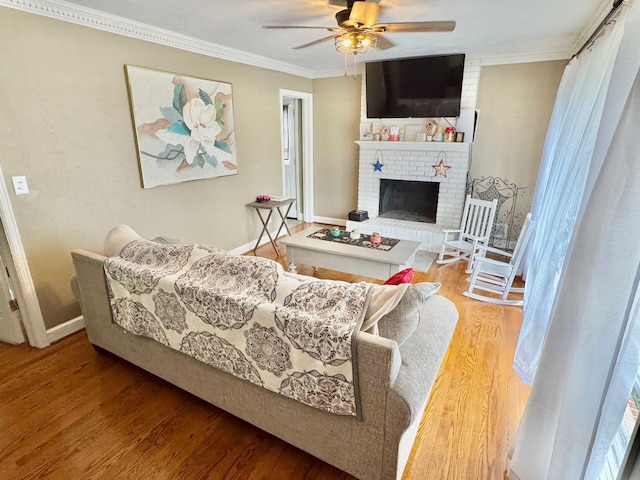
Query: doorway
292	154
17	268
11	330
296	121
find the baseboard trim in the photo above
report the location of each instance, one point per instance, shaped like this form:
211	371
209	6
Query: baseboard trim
248	247
67	328
330	221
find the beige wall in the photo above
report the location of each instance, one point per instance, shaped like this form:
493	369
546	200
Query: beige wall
65	124
515	103
336	108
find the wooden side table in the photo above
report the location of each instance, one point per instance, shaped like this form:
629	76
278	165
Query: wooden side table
272	205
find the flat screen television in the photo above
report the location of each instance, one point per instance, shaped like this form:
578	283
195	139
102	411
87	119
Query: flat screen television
419	87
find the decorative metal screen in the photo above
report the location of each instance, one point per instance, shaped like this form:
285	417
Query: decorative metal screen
514	203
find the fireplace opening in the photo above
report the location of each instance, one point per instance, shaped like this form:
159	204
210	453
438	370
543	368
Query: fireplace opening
408	200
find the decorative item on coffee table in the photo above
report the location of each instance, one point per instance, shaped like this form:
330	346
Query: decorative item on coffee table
317	248
374	241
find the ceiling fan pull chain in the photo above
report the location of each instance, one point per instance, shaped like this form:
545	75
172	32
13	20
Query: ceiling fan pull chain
354	66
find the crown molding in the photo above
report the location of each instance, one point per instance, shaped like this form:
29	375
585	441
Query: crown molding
61	10
87	17
504	59
600	14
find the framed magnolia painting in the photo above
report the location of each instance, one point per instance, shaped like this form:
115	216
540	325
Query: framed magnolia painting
183	126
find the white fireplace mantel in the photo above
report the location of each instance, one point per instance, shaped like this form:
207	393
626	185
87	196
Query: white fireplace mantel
416	146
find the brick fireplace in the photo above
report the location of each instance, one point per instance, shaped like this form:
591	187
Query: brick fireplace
412	161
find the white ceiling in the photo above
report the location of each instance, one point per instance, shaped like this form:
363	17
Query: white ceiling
489	29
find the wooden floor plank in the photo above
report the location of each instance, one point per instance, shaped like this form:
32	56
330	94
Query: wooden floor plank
71	412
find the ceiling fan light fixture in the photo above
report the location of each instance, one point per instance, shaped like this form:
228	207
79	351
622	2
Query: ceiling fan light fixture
356	42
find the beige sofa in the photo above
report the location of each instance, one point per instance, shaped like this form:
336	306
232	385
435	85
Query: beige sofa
395	382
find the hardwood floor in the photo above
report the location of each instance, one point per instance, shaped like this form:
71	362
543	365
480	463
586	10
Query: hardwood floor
71	412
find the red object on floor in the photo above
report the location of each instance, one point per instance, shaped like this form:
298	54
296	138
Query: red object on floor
403	276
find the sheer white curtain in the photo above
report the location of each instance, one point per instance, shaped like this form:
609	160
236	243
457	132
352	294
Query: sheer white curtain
560	188
590	357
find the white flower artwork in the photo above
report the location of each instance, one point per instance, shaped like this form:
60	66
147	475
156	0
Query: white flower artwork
183	126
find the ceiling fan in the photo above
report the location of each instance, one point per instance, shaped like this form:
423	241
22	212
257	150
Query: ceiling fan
357	30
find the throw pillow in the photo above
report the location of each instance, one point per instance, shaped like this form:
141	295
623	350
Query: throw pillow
403	276
122	235
118	238
400	323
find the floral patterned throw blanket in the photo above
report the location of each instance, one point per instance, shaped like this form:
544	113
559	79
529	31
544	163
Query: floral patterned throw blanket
244	315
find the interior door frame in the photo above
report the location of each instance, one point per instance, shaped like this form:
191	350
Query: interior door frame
307	149
11	328
32	319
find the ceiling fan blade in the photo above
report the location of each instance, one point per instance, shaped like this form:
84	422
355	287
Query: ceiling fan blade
409	27
384	43
330	37
268	27
364	13
345	3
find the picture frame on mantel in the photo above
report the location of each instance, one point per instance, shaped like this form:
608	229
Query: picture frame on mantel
411	133
366	131
184	128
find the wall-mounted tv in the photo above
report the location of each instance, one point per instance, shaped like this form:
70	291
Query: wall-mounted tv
415	87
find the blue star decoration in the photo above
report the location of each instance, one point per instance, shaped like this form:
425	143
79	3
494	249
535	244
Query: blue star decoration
377	167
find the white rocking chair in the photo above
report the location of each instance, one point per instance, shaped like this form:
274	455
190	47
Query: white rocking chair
496	277
473	234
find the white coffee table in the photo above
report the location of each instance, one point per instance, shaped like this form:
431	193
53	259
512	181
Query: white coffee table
358	260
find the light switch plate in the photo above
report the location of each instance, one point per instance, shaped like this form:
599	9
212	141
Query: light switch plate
20	185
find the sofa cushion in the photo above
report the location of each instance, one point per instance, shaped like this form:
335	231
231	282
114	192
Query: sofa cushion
118	238
122	235
400	323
